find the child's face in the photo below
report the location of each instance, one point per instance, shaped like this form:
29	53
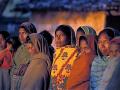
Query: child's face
31	48
114	50
83	45
78	34
9	46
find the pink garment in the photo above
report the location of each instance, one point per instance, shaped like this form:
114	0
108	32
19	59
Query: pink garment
115	40
6	59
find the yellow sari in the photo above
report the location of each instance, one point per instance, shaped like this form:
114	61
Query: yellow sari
63	60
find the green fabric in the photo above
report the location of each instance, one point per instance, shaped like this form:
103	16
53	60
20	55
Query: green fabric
21	56
88	30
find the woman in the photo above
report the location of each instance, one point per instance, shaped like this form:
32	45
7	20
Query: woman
37	74
101	61
65	55
80	74
114	56
21	57
6	56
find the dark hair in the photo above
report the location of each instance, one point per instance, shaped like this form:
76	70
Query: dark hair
15	43
82	38
29	27
5	34
69	32
80	30
48	36
109	32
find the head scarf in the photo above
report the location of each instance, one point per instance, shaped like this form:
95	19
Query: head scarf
88	30
116	40
29	27
39	43
90	33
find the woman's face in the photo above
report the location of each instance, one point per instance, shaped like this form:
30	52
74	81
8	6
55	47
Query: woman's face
22	35
60	39
31	49
78	34
104	44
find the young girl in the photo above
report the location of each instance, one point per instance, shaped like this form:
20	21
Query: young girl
6	56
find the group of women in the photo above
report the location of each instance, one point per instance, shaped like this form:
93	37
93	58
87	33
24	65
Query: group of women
83	61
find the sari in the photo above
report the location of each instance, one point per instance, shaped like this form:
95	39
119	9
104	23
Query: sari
63	60
80	74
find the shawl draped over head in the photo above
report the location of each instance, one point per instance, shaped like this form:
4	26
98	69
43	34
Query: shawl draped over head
79	79
90	33
39	43
116	40
88	30
29	27
38	72
22	56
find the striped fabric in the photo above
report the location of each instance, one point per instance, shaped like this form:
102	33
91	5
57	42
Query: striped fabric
88	30
98	67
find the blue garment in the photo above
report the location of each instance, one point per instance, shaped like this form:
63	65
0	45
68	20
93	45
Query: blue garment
98	67
114	83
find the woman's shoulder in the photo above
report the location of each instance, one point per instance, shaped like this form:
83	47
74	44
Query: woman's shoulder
41	57
96	60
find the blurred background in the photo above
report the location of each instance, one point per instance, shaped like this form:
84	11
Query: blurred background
48	14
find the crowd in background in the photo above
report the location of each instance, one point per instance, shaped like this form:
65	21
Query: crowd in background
81	61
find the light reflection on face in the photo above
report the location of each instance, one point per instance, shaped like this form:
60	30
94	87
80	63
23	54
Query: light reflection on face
31	49
104	44
22	35
60	39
